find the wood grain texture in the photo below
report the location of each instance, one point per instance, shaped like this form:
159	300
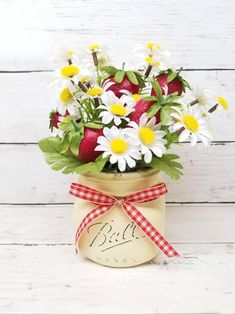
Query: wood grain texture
53	225
39	271
29	100
200	34
45	279
208	176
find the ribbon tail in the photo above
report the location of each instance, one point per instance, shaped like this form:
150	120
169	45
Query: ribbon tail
149	229
92	215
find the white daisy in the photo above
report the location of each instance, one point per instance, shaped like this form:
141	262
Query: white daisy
66	101
222	103
152	49
155	62
149	137
119	146
154	56
115	108
65	55
135	97
65	74
204	98
192	123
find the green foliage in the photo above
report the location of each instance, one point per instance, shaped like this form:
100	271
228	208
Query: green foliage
171	75
157	89
153	110
164	114
119	76
132	77
109	70
58	154
168	165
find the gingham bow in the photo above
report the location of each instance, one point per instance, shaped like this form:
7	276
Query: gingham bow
106	202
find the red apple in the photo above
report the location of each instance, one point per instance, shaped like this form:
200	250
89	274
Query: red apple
175	85
141	107
88	144
125	85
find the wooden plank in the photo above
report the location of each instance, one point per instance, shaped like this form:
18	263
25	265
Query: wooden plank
208	176
54	280
28	99
52	224
199	34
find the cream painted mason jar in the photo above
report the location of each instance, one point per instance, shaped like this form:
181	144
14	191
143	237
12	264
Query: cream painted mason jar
113	239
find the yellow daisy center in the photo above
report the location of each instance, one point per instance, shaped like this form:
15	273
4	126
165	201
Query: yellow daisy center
223	102
147	135
191	123
118	110
156	63
65	96
149	59
69	70
152	45
136	97
94	47
118	146
95	91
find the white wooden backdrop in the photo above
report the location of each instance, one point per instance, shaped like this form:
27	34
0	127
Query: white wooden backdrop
39	272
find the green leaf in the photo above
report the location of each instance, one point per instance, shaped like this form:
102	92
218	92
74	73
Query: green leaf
153	110
65	142
69	125
171	138
185	84
171	76
157	88
67	163
173	104
132	77
140	79
92	167
75	140
50	144
109	69
119	76
149	98
164	114
168	165
94	125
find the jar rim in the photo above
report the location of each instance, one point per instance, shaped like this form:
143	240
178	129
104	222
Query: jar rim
103	176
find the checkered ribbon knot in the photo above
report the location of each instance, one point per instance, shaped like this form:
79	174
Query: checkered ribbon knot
105	202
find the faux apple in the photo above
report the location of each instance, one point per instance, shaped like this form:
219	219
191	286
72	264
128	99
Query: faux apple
141	107
175	85
125	84
88	144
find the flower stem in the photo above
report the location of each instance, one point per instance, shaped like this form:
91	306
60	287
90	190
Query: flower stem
194	102
95	59
149	68
82	86
213	108
96	99
98	76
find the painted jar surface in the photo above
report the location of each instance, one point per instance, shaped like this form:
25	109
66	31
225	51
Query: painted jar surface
113	239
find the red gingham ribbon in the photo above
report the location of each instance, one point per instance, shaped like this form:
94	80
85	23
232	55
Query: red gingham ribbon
106	202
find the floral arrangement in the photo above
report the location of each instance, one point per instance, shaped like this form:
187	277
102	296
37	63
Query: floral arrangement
111	119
